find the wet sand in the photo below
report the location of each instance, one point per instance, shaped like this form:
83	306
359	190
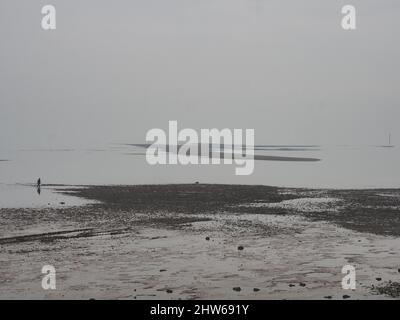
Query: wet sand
202	241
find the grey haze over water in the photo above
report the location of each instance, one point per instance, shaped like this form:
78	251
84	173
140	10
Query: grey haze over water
112	70
340	167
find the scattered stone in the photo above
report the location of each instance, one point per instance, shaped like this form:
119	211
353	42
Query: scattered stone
240	248
62	202
291	285
398	270
169	291
237	289
328	297
256	289
378	279
346	296
162	270
208	238
302	284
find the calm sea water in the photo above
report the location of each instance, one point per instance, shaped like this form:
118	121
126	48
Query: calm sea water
340	167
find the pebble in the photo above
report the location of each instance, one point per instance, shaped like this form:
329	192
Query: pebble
237	289
240	248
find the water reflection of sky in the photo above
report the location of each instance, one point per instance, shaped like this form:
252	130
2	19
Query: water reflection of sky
27	196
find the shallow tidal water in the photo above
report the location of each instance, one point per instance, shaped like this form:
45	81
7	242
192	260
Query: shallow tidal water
339	167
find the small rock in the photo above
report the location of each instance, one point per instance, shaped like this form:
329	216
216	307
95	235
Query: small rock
208	238
346	296
162	270
256	289
301	284
398	270
291	285
378	279
237	289
240	248
328	297
169	291
62	202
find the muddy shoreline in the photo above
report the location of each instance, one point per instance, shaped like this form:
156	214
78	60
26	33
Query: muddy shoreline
199	241
367	210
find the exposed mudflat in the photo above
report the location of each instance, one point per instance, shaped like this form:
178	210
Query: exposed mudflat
204	242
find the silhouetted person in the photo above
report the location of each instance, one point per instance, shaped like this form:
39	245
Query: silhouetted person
38	184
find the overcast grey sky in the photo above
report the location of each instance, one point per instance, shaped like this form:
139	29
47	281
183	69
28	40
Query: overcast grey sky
112	70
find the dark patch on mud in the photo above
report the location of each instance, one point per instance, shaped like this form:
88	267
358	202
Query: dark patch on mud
391	289
178	198
59	235
374	211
